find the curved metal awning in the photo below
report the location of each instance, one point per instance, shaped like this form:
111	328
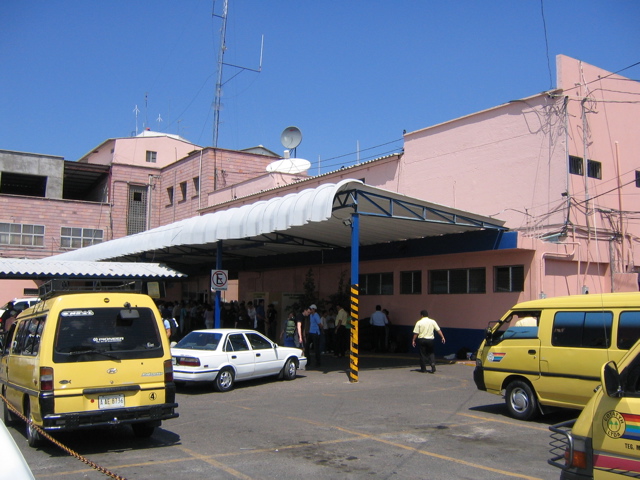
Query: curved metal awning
48	268
312	219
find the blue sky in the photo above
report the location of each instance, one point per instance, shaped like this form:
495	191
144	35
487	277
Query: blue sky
348	73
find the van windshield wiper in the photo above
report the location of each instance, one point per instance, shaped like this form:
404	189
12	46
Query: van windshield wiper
94	351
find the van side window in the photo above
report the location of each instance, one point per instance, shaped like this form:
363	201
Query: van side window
628	329
32	336
18	339
582	329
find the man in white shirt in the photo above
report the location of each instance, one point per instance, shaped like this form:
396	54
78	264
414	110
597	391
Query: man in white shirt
424	333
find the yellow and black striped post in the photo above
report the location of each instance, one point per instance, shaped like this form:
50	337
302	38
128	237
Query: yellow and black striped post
353	350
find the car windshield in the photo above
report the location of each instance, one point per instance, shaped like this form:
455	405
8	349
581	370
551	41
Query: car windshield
94	334
200	341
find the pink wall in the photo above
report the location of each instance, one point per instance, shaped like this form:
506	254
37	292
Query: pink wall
507	162
133	150
53	214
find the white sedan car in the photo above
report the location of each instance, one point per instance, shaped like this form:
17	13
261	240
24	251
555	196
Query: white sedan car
224	356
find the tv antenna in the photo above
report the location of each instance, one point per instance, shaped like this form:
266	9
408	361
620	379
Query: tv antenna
290	139
218	92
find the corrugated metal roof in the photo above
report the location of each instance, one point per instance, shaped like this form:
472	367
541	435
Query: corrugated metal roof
311	219
21	268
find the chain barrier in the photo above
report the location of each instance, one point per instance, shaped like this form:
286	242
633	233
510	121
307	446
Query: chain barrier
73	453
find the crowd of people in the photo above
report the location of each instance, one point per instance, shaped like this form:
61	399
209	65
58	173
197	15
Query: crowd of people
324	331
193	315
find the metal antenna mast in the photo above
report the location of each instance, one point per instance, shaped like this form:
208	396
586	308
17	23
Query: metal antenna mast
217	102
223	47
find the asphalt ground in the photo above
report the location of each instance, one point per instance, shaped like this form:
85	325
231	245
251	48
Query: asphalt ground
394	423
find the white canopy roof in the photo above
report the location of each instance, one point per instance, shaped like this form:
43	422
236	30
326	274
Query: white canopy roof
311	219
45	268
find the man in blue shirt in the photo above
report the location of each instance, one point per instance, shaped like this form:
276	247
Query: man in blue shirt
315	331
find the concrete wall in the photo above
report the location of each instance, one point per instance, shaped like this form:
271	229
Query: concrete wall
48	166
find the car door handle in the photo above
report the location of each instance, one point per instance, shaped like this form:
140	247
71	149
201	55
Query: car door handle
531	352
258	354
233	357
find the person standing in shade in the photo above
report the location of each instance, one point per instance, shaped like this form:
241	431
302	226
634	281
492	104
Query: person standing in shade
342	332
315	331
424	334
272	321
378	325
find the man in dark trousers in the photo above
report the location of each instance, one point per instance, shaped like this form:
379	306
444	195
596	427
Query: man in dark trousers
424	333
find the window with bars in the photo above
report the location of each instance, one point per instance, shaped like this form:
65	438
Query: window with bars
376	284
508	278
576	167
411	282
459	280
137	209
22	235
77	237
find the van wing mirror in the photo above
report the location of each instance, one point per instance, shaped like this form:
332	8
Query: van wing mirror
488	333
611	380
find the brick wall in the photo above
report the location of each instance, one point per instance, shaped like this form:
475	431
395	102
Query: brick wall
53	214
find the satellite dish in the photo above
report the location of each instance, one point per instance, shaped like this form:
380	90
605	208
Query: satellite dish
291	137
289	165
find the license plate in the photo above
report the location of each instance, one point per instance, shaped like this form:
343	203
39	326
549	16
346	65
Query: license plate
110	401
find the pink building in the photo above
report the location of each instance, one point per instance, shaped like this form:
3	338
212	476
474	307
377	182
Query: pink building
522	162
572	221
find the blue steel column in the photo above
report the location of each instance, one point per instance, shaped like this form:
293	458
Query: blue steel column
355	272
218	267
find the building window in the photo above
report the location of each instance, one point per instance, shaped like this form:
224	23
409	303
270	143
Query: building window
23	184
508	279
594	169
411	282
638	178
151	156
137	209
21	235
183	191
170	195
459	280
196	186
576	167
376	284
74	237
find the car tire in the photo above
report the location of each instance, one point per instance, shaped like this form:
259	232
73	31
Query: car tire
290	369
521	400
224	381
34	438
142	430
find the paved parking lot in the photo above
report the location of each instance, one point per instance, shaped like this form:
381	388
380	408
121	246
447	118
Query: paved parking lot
395	423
